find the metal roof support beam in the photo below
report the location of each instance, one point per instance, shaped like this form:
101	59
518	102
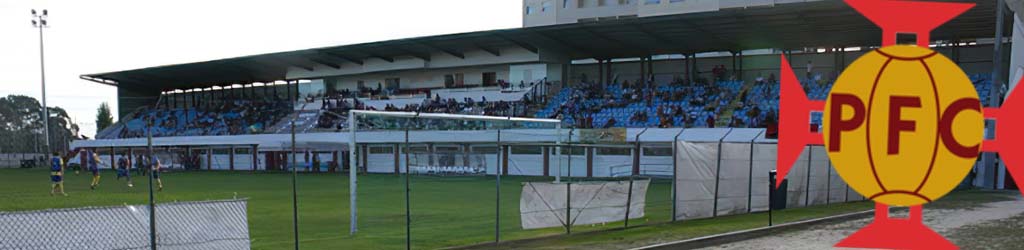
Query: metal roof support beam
493	51
341	57
279	62
99	80
325	63
296	63
523	45
385	58
416	55
307	68
446	51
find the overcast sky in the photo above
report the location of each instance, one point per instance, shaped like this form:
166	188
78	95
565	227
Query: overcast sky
98	36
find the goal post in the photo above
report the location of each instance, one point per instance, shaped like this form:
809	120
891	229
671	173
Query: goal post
394	120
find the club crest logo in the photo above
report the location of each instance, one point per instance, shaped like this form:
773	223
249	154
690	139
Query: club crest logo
902	125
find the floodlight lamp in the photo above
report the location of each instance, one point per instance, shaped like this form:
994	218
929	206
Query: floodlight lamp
34	24
43	22
33	12
44	12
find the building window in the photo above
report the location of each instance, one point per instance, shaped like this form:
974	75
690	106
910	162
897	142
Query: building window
529	10
581	4
676	1
545	6
600	2
649	2
625	2
565	4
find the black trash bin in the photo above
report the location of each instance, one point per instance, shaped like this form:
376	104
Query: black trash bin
777	197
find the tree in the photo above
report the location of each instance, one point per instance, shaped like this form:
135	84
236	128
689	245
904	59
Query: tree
103	117
21	126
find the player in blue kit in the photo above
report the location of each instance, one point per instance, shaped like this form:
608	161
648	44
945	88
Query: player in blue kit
123	170
94	167
57	174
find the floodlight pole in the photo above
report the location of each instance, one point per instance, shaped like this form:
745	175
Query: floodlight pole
352	171
39	21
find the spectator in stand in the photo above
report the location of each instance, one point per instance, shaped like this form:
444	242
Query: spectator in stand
710	120
610	123
810	68
665	122
736	123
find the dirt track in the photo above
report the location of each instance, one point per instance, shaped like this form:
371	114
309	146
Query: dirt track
992	225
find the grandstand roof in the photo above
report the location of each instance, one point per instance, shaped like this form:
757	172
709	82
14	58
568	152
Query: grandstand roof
795	25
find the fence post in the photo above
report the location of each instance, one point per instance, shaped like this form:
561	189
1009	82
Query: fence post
846	187
675	168
637	150
568	168
771	194
828	185
629	202
718	173
568	207
750	175
807	187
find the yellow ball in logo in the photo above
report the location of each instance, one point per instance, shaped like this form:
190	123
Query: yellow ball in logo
903	125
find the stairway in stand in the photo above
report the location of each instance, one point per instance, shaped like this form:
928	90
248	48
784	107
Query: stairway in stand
725	118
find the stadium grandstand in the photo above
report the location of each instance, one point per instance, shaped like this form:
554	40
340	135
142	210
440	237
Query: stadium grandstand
630	65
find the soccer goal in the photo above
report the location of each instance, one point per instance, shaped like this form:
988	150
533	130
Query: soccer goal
450	149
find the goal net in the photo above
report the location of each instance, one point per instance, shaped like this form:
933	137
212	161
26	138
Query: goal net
450	163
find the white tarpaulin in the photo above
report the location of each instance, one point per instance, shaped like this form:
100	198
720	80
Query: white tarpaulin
695	179
543	204
817	189
796	194
837	187
764	162
734	179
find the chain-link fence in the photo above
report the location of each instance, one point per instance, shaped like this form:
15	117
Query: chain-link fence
22	160
489	185
469	181
179	225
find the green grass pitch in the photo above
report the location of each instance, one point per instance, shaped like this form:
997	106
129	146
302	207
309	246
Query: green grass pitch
446	211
